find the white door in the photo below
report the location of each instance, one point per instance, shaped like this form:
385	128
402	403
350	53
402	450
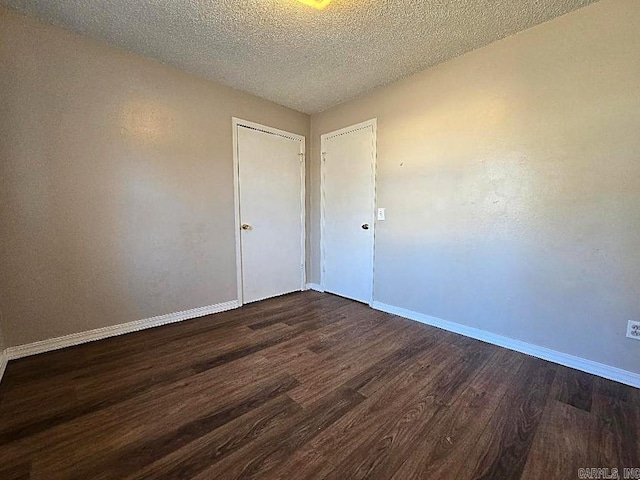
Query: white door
270	172
348	204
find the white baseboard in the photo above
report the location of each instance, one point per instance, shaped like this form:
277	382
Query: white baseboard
589	366
314	286
35	348
3	363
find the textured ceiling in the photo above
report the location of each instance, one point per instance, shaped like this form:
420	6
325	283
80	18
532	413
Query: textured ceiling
293	54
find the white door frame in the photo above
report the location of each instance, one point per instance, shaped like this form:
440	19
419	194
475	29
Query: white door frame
358	126
237	122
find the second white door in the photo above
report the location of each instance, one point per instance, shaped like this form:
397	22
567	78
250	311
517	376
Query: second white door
270	169
348	204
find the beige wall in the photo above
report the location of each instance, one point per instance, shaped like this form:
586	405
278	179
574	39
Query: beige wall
117	186
3	343
511	179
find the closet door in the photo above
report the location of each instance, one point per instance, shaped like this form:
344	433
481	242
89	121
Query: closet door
348	204
271	212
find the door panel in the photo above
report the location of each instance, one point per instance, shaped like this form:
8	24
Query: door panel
348	168
271	208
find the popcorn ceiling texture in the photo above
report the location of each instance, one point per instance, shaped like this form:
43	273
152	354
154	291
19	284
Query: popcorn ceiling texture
290	53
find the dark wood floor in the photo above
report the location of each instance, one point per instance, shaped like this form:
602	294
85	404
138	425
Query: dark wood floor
307	385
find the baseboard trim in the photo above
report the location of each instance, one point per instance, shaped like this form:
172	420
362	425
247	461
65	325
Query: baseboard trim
43	346
3	363
588	366
314	286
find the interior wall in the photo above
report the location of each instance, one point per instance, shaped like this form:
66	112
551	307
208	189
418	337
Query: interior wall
3	343
3	353
117	183
511	182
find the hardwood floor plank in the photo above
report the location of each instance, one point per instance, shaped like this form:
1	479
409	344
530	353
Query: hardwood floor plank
378	374
119	428
258	458
202	453
620	442
449	439
93	384
293	314
431	341
160	405
365	322
503	448
573	387
323	453
16	472
105	390
309	323
116	464
347	321
337	367
383	453
566	440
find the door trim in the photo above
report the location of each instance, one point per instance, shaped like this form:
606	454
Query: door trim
373	123
236	123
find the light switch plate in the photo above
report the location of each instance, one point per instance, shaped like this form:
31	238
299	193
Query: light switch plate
633	330
381	214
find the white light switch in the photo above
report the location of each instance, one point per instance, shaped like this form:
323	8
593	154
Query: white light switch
381	214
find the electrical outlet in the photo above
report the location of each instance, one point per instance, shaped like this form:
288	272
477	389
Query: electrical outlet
633	330
381	214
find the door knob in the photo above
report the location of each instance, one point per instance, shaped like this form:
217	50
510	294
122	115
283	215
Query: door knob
365	226
246	226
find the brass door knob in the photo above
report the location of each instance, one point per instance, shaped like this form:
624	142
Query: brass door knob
365	226
246	226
